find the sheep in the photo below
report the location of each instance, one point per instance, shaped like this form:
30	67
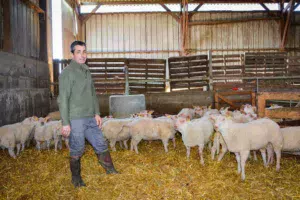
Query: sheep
291	141
195	133
243	137
113	131
8	140
46	132
187	112
15	135
150	129
291	138
237	117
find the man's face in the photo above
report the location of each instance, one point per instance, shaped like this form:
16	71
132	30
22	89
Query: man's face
79	54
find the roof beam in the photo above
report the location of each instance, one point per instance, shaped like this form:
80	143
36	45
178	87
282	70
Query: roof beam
287	25
195	10
33	6
84	19
170	12
120	2
265	7
216	22
287	7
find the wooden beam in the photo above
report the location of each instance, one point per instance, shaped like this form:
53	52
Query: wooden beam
170	12
7	42
287	25
264	6
193	23
33	6
287	7
195	10
173	1
84	19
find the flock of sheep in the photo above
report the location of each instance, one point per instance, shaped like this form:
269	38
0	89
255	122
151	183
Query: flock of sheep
238	131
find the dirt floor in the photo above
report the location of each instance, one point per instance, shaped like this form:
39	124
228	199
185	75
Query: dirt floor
151	174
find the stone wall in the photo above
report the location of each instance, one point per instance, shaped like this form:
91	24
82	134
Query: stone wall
24	88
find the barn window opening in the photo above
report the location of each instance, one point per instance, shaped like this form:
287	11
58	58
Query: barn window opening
57	29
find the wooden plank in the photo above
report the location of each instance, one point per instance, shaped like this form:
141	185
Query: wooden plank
187	70
33	6
231	21
142	75
287	24
89	60
106	65
145	61
93	70
283	113
160	71
85	18
199	63
7	40
143	67
186	58
107	75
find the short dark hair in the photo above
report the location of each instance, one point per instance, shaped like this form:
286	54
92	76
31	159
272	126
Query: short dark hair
80	43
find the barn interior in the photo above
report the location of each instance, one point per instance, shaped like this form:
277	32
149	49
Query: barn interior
177	54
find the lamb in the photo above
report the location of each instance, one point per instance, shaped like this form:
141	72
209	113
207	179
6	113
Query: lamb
150	129
15	135
46	132
243	137
8	140
237	117
113	131
187	113
195	133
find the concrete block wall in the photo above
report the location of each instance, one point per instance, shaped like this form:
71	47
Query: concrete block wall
24	88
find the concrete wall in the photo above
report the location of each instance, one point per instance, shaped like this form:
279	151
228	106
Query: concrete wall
24	88
170	103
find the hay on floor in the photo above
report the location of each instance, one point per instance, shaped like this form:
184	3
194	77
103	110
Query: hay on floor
151	174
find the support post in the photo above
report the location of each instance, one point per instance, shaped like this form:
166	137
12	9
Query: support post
210	75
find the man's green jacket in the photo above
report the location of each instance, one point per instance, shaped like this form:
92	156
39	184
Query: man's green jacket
77	97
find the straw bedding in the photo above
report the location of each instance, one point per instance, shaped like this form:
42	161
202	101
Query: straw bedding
152	174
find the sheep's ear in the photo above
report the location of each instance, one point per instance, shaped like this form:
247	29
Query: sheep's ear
254	109
46	119
35	118
150	112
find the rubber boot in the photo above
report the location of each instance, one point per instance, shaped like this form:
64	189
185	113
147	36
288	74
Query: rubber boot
76	171
106	162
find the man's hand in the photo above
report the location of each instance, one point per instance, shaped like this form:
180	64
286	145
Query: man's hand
66	130
98	120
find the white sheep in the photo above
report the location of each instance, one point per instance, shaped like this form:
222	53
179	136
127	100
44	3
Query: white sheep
187	113
45	132
113	131
15	135
291	141
8	140
243	137
195	133
150	129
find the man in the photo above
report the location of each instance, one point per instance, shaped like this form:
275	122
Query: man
79	109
